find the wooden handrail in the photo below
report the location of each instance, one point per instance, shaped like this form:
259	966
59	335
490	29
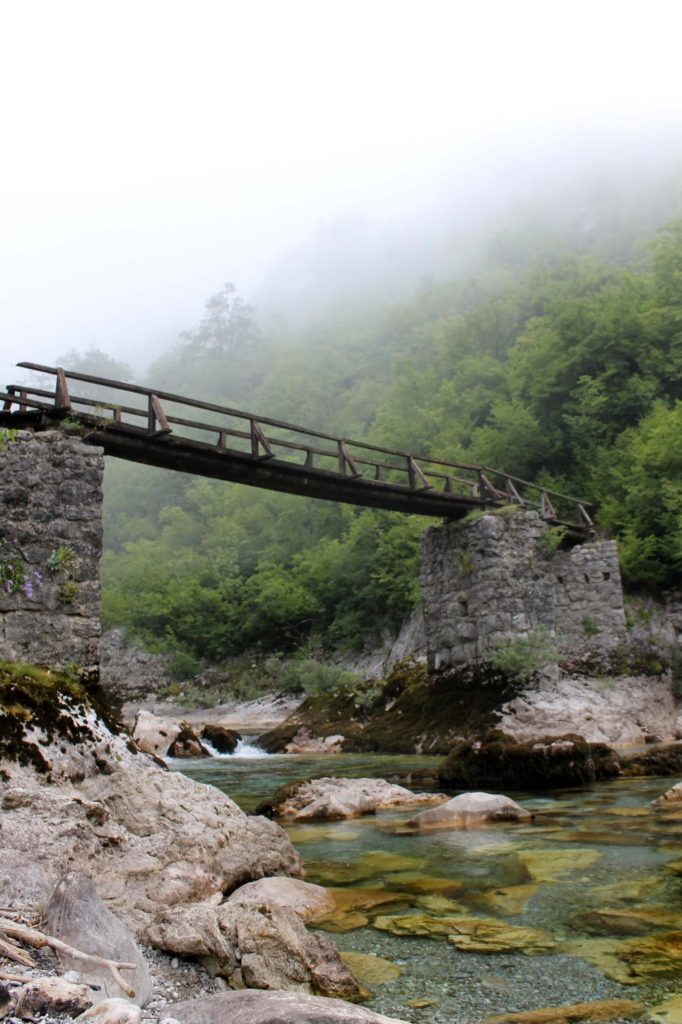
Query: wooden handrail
359	461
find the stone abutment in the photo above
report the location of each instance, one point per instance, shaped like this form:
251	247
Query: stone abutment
501	578
50	550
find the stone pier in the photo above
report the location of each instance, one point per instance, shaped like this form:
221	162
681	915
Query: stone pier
498	579
51	537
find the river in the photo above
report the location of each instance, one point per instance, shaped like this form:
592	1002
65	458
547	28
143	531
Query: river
595	881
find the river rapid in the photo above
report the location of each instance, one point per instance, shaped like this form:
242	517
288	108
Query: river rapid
591	891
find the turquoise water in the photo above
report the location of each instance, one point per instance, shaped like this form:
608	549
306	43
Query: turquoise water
601	848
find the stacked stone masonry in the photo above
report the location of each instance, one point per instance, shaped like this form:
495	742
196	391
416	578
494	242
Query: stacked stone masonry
51	519
491	580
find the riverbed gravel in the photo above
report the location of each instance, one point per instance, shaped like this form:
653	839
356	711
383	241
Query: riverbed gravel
465	988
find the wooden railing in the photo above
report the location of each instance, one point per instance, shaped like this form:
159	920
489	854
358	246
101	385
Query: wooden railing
296	453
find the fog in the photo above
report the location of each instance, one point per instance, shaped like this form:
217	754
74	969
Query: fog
154	151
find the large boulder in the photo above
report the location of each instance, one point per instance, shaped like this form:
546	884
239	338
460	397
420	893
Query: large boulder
77	916
311	902
272	1008
148	836
498	761
470	810
264	947
331	798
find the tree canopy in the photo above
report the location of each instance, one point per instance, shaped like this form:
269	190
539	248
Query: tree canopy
566	370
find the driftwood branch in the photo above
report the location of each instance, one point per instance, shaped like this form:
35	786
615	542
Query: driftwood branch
23	979
37	939
14	952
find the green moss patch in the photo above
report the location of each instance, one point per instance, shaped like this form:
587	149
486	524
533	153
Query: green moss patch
413	710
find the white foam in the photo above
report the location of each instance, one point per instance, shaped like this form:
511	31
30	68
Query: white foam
244	748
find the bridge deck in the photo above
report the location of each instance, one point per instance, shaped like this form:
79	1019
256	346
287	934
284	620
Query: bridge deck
229	444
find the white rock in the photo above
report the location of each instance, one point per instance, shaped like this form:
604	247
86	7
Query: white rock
469	810
308	900
112	1011
671	797
154	735
332	798
253	1007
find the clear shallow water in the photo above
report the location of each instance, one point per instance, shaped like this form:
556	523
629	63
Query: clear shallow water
598	848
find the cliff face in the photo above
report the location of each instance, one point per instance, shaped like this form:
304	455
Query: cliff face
500	578
50	547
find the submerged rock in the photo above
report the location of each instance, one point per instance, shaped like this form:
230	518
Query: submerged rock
637	921
509	901
469	934
672	798
602	1009
632	961
331	798
547	865
667	1012
470	810
374	864
371	970
273	1008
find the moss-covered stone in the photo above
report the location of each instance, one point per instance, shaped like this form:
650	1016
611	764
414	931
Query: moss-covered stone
661	761
39	707
414	710
499	762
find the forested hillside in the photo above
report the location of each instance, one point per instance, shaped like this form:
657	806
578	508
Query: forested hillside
553	361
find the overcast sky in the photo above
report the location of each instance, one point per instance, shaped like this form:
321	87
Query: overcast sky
153	150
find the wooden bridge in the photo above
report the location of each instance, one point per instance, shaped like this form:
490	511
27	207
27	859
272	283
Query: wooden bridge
228	444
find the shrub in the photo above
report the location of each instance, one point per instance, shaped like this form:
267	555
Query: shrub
521	659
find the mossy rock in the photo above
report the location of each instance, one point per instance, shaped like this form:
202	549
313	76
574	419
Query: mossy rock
499	762
660	761
34	699
415	709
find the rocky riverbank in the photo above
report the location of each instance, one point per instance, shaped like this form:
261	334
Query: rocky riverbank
163	852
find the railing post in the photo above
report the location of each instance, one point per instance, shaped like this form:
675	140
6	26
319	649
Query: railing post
155	412
259	440
513	495
61	395
547	509
585	516
346	459
415	473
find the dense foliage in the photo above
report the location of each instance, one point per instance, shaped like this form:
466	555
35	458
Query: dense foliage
568	371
